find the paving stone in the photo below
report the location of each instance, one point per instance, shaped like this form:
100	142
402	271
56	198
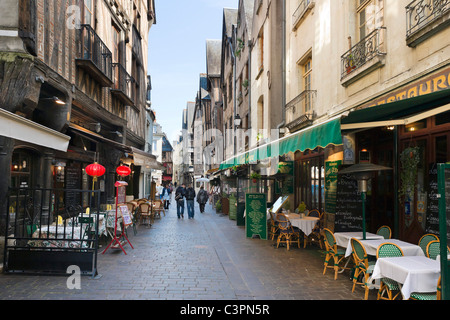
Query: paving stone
205	258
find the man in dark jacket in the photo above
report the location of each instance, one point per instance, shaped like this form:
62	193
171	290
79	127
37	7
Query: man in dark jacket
202	198
180	193
190	196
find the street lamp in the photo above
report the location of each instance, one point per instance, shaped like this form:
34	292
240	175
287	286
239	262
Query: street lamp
362	172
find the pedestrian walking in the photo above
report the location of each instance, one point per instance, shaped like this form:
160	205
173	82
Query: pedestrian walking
190	196
202	198
165	196
180	193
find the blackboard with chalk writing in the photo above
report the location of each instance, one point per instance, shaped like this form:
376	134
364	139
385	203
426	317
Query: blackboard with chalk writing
348	216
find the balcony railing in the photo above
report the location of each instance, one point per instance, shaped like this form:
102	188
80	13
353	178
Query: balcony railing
421	14
95	56
300	12
364	51
123	83
300	110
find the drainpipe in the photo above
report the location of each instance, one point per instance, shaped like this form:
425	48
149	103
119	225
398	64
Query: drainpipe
283	72
234	86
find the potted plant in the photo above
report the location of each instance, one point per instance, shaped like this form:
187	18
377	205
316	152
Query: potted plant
409	159
255	176
218	206
301	207
225	203
350	65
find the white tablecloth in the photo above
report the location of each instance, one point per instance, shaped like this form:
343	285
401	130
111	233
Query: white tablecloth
372	245
305	224
415	273
343	238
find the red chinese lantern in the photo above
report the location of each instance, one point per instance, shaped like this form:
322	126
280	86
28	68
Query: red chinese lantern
95	170
123	171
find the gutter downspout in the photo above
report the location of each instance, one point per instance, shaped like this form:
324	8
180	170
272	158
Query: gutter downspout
283	73
234	88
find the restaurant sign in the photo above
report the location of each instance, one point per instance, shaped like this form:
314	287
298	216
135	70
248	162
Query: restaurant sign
256	216
436	82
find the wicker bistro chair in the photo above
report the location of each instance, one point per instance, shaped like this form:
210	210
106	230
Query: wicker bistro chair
145	213
315	235
273	227
332	252
132	208
426	238
428	295
363	267
287	234
434	249
158	205
387	285
384	231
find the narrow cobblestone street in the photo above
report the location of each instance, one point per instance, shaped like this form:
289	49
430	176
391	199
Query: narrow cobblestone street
205	258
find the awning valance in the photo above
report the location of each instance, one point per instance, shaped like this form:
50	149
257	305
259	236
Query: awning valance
20	128
145	159
320	135
400	112
92	135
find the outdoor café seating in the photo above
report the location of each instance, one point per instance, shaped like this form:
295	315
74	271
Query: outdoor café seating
332	252
287	234
145	213
363	267
388	286
385	231
425	239
428	295
272	227
315	234
434	249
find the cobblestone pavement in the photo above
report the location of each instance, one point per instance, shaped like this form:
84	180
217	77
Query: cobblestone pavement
205	258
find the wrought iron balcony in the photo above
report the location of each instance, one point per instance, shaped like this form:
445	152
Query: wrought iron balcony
300	12
123	83
424	18
95	57
300	110
363	52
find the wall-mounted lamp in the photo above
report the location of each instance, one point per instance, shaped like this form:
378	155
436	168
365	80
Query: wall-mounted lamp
237	120
98	126
119	134
55	99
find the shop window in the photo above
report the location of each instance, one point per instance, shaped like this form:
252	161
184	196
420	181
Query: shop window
20	169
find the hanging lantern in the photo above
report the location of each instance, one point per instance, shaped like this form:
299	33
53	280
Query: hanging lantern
95	170
123	171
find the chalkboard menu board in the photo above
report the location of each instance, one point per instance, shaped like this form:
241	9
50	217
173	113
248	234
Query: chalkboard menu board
331	176
432	220
256	217
348	205
73	181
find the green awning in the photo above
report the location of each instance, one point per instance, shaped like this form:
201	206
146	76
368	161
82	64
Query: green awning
396	113
312	137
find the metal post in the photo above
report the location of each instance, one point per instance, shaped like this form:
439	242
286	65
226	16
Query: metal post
363	198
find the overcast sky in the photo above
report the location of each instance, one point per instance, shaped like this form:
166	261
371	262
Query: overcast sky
177	54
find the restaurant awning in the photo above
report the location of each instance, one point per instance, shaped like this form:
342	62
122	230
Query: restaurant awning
400	112
17	127
319	135
92	135
145	159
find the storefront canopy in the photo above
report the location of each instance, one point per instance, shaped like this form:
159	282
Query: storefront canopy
146	160
319	135
400	112
20	128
